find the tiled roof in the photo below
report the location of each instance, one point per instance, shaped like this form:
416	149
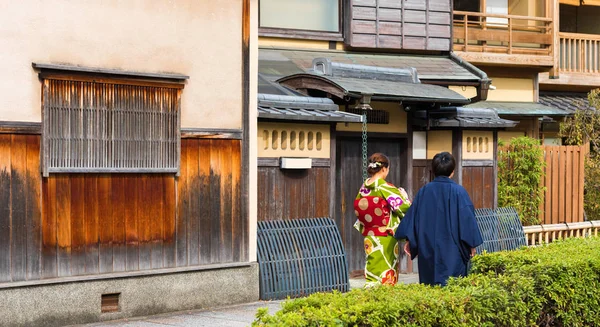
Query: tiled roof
568	102
464	118
518	108
398	90
279	62
302	108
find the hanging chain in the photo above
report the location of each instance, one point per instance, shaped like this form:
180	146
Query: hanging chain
364	145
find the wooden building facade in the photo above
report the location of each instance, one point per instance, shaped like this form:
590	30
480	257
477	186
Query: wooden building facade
394	58
116	170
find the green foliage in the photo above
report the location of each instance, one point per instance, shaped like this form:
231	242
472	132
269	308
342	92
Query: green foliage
520	170
584	127
553	285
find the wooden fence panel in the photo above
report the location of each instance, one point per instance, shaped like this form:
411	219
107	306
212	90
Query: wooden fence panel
563	181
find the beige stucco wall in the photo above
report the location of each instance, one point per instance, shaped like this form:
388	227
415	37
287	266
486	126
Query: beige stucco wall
438	141
478	145
506	136
397	122
278	43
293	140
199	38
466	91
512	89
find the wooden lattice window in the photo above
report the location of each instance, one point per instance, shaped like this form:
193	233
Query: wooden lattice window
97	125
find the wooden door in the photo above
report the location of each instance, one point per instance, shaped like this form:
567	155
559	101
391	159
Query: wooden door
349	180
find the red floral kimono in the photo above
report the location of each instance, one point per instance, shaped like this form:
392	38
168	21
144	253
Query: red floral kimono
379	206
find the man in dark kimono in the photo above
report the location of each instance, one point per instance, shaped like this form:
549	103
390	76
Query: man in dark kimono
440	226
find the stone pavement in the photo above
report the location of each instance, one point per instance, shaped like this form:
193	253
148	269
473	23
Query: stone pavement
240	315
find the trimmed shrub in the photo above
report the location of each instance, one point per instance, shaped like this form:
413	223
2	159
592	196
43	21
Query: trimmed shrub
553	285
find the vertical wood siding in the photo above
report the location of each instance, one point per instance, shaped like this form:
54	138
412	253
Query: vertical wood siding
101	223
479	183
348	182
421	174
406	24
86	224
563	182
292	194
20	203
209	226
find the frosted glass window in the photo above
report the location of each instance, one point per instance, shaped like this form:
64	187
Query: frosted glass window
313	15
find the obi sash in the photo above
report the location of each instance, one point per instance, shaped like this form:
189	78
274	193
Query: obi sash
374	213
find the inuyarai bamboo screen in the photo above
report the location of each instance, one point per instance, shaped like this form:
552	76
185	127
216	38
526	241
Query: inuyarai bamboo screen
91	126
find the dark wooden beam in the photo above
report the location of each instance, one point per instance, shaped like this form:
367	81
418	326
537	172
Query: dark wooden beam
20	127
408	177
275	162
245	173
212	133
495	187
457	153
478	163
332	171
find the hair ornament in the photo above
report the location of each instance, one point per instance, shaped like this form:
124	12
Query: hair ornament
375	164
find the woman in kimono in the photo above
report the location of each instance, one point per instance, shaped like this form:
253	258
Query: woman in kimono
379	207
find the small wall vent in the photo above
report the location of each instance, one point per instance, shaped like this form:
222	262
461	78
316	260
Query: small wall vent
110	302
373	116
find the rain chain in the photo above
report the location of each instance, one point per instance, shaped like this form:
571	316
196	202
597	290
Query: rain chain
364	145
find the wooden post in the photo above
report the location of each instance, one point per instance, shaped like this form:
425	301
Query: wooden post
553	13
510	36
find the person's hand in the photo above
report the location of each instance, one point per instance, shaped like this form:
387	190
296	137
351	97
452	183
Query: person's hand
407	248
473	251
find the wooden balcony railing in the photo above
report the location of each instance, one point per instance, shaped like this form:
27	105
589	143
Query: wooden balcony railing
511	34
579	53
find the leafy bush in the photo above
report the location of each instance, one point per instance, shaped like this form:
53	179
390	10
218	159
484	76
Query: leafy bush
553	285
582	128
520	170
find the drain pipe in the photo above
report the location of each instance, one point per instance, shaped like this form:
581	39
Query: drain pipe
484	83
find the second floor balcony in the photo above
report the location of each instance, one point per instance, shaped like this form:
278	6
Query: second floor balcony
504	39
577	57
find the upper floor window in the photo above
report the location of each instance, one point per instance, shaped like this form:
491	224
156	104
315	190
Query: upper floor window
307	15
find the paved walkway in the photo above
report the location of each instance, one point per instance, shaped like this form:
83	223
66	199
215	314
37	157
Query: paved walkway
240	315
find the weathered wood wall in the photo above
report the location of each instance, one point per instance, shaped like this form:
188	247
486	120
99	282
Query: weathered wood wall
210	227
86	224
480	184
20	208
291	194
349	180
100	223
421	174
393	24
477	180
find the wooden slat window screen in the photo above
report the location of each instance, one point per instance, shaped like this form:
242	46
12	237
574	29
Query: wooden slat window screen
91	126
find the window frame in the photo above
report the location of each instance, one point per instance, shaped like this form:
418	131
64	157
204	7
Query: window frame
125	79
305	34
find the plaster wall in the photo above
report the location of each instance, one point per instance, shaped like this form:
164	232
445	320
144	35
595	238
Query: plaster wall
512	89
198	38
397	123
438	141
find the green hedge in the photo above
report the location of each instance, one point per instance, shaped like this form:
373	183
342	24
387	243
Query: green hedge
553	285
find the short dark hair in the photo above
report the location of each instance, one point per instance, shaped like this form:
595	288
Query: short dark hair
443	164
376	162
